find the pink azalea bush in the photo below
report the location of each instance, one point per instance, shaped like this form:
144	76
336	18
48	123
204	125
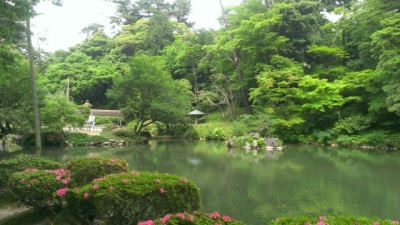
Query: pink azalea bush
193	218
84	170
40	188
128	198
21	163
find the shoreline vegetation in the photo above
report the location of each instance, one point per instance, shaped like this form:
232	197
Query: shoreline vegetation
79	191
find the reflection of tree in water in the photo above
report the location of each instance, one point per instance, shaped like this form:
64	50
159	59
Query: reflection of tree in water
254	155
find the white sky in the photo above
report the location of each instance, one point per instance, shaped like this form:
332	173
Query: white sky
61	26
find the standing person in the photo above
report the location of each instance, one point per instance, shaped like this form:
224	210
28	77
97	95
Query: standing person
91	120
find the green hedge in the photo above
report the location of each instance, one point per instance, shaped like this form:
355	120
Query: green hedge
193	218
332	220
21	163
84	170
132	197
39	188
79	139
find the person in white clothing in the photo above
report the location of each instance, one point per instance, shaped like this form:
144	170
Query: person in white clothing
91	120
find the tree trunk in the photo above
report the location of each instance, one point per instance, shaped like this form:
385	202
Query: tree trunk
236	62
266	3
36	117
3	143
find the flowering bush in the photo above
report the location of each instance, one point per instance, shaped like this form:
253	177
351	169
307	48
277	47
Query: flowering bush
9	166
336	220
40	188
131	197
84	170
193	218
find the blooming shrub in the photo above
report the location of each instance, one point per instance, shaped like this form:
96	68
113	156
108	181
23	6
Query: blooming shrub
10	166
336	220
193	218
84	170
132	197
40	188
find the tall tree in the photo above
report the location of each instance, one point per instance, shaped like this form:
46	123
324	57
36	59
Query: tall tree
149	94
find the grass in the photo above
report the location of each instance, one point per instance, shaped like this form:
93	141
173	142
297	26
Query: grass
210	121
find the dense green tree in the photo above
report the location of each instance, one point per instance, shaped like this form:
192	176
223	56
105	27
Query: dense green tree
149	94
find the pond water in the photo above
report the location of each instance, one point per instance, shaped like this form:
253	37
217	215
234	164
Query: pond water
256	188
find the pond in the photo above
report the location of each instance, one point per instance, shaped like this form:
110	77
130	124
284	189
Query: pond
256	188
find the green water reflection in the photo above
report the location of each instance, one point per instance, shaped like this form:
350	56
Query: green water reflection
256	188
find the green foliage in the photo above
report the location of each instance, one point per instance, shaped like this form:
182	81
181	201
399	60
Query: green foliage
39	188
84	170
21	163
137	196
124	133
149	94
52	138
193	218
79	139
336	220
107	120
217	134
261	123
59	112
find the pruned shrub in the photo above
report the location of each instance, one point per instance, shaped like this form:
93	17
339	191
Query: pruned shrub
21	163
193	218
124	133
79	139
217	134
84	170
132	197
39	188
332	220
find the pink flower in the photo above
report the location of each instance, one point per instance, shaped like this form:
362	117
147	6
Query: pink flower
125	181
29	185
162	190
22	180
111	187
167	217
320	223
214	215
322	218
181	215
62	192
191	218
158	180
226	218
277	219
86	195
395	222
76	188
95	187
376	223
148	222
184	180
65	181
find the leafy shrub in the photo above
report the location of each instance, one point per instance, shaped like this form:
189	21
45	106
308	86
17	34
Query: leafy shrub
98	139
21	163
79	139
261	123
128	198
217	134
193	218
145	133
191	133
52	138
124	132
107	120
84	170
39	188
337	220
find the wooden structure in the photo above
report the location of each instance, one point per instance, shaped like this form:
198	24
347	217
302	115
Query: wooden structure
104	112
